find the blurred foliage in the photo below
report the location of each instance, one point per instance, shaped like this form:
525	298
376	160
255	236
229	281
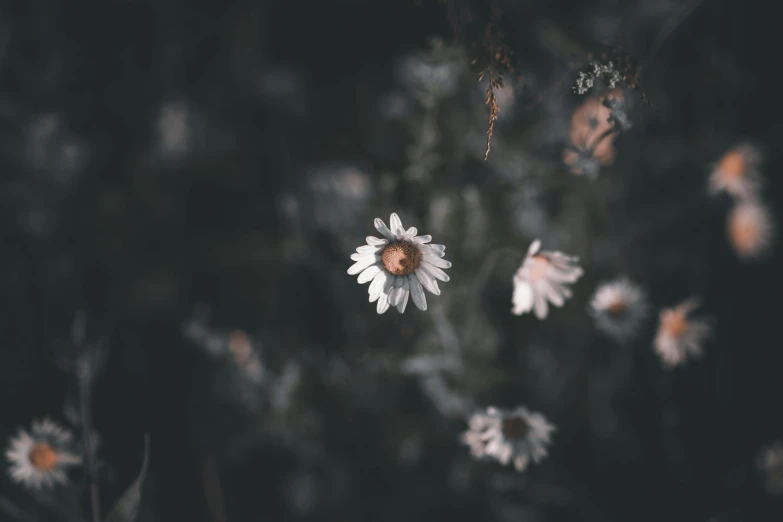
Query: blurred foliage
195	176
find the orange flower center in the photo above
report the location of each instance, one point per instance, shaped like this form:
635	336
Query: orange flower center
745	233
43	457
239	344
732	165
674	323
401	258
617	307
538	269
515	428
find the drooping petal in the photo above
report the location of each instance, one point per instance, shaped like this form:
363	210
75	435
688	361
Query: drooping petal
417	292
378	282
522	298
402	301
534	247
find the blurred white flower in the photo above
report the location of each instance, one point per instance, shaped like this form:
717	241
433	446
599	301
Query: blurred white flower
770	464
619	307
750	229
541	280
680	336
399	266
39	458
518	435
736	172
604	74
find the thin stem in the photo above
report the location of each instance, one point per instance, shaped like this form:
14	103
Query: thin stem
85	401
212	490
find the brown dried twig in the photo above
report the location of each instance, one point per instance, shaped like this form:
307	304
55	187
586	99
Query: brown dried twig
499	55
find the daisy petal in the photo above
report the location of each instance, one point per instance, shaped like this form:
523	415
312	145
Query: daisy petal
395	225
417	292
374	241
433	260
377	285
427	281
365	262
369	273
422	239
381	227
436	272
402	301
369	249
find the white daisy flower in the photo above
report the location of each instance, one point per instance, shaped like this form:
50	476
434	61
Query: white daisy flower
680	336
750	229
736	172
519	435
399	265
770	464
39	458
619	307
541	279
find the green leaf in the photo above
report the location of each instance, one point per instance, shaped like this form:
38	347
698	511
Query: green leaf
127	507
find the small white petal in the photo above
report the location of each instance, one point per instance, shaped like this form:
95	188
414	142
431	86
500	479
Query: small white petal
378	282
422	239
417	292
433	260
374	241
362	264
383	300
395	225
522	298
369	249
369	273
402	302
381	227
436	272
432	251
539	304
359	256
411	233
534	247
427	281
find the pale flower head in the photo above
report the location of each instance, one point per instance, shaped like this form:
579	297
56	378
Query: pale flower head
619	307
517	436
40	457
680	336
770	464
736	172
750	229
542	279
399	266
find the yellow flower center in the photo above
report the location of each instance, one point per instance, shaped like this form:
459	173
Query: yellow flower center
43	457
401	258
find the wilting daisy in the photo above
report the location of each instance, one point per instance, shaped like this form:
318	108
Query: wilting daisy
541	279
619	307
399	265
736	173
680	336
770	464
749	228
39	458
518	435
